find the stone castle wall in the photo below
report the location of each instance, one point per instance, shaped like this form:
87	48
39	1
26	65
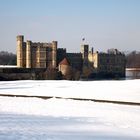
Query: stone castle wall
36	55
46	55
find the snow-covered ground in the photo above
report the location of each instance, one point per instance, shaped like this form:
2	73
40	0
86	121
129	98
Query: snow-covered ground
8	66
125	90
61	119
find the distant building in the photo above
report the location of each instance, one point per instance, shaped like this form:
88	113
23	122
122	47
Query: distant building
113	63
49	56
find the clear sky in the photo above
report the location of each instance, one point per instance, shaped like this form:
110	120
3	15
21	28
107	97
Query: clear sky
103	23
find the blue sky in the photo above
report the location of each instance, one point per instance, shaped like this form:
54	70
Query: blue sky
103	23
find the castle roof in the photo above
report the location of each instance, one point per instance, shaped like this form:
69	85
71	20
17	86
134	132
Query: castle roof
64	62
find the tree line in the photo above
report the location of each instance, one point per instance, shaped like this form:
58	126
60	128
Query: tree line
132	59
7	58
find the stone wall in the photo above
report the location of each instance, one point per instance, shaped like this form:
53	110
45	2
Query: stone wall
29	74
35	54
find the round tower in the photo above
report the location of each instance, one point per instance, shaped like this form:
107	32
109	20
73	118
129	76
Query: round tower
28	54
20	59
54	53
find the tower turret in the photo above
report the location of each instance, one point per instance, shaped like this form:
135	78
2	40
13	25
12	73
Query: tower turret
54	53
20	59
28	54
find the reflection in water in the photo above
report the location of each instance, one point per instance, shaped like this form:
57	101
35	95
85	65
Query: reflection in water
132	74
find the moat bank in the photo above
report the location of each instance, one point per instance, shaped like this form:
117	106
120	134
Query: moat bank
14	73
7	74
133	73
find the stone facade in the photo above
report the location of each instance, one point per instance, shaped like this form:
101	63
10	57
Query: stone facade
112	62
36	55
46	55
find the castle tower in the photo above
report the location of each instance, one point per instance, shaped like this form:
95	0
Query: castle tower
20	53
84	51
28	54
54	54
38	58
90	57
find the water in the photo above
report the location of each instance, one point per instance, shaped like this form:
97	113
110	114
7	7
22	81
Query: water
132	74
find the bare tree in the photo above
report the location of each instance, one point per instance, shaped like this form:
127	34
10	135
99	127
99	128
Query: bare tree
133	60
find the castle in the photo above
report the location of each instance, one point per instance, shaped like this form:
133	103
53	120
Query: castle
87	63
35	55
